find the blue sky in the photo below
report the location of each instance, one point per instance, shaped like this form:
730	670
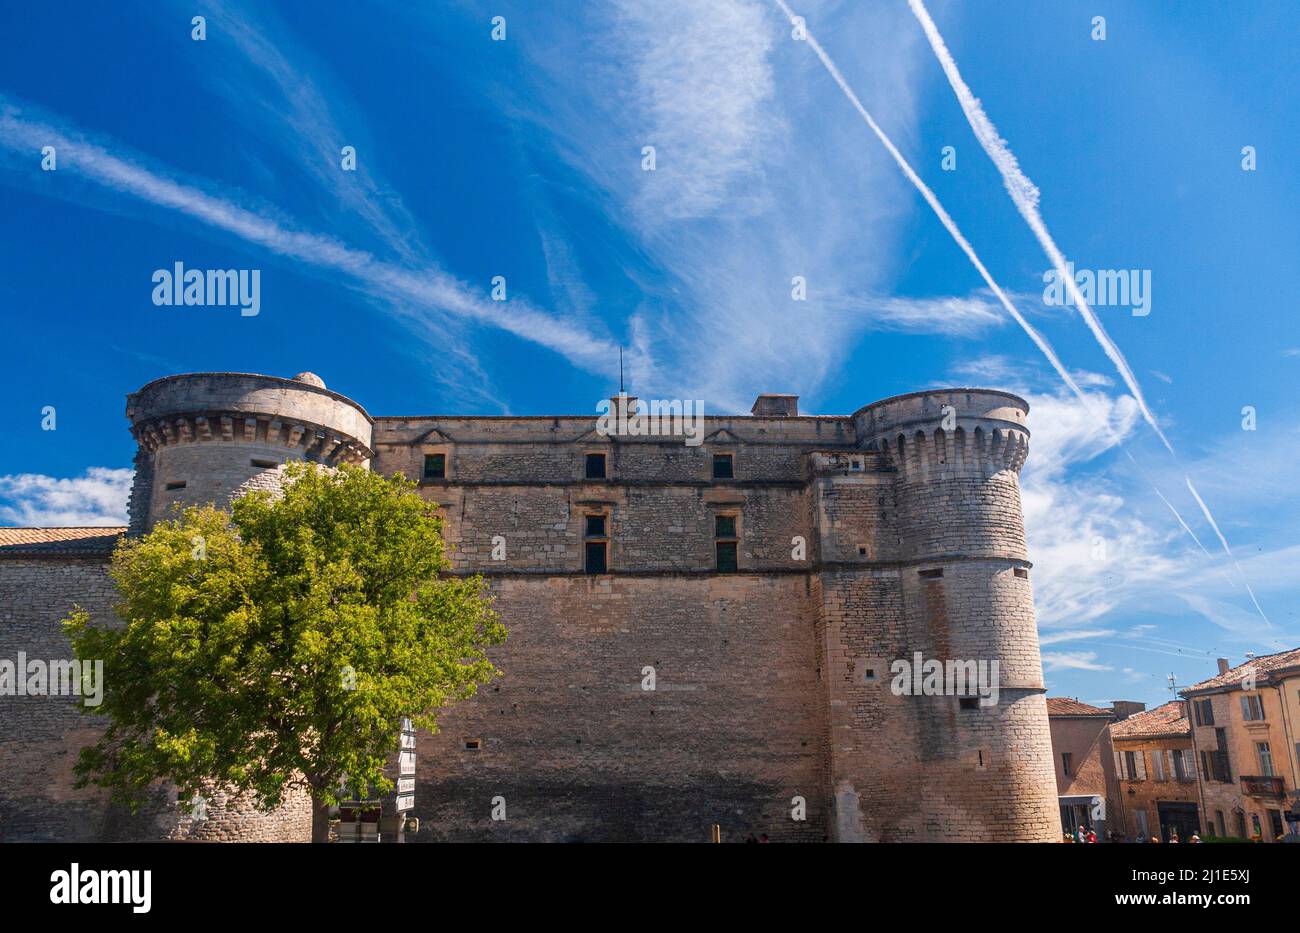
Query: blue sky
523	158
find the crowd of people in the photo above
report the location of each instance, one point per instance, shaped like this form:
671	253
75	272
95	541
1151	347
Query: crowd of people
1085	835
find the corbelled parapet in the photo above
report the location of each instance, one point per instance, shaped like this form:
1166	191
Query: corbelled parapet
208	437
949	431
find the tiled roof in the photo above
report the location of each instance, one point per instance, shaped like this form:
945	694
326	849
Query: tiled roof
1167	719
31	542
1069	706
1260	666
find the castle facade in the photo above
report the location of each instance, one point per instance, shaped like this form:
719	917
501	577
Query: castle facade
700	633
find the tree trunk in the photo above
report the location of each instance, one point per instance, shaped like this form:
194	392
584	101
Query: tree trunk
320	820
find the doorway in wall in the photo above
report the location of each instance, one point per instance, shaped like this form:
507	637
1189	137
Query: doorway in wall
1178	816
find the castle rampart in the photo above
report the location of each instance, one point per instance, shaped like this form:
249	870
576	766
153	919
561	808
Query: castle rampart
766	579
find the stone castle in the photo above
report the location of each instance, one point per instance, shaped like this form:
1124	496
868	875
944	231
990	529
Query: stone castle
765	579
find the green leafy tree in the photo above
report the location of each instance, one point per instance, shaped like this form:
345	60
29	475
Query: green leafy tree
278	645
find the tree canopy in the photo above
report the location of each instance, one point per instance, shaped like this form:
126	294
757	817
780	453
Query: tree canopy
280	644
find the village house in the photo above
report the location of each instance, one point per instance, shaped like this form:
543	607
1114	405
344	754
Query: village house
1244	735
1157	775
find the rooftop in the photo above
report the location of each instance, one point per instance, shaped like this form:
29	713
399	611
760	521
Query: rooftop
1259	666
1069	706
1165	720
22	542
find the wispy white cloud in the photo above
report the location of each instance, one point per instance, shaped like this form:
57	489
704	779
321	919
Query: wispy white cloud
419	291
753	186
1073	660
1064	635
272	85
952	315
703	68
98	497
272	88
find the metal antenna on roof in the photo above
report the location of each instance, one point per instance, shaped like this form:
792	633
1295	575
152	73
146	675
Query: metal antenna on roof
620	372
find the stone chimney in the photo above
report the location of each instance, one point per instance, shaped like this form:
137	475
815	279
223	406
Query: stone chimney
1224	666
1123	709
768	405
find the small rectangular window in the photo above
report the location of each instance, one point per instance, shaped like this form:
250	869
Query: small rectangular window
1066	763
930	574
1021	572
595	526
595	557
264	464
595	466
722	467
473	745
726	544
968	702
179	484
435	466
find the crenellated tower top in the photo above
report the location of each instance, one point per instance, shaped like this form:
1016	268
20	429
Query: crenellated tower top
947	432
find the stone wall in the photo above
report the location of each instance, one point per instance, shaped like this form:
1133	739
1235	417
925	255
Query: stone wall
41	736
1146	792
861	540
580	751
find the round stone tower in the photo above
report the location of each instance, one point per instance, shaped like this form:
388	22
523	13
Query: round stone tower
208	438
983	770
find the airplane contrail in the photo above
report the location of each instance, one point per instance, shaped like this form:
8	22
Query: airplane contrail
961	241
1025	195
427	287
1039	340
1224	541
1187	529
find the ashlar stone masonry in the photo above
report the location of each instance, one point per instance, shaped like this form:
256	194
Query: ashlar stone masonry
762	582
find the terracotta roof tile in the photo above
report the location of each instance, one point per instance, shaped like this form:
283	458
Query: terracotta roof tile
1167	719
29	542
1069	706
1261	666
